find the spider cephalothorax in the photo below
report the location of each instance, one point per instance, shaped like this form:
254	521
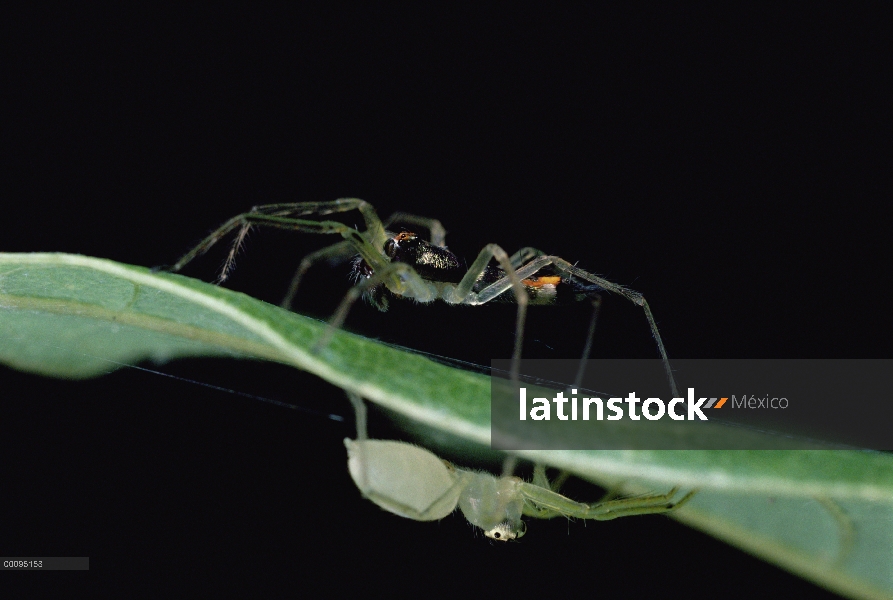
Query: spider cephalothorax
432	263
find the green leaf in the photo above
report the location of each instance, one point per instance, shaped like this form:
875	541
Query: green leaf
826	515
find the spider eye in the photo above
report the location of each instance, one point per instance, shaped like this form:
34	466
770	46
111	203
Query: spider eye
507	531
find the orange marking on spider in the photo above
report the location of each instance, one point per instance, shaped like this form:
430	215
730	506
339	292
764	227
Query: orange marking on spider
541	281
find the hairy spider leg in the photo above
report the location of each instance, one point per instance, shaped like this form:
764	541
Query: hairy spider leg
396	276
435	228
544	503
285	216
540	479
336	253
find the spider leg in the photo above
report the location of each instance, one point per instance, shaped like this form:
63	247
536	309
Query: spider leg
301	209
524	255
541	261
628	507
463	294
400	278
596	300
540	479
336	253
845	527
285	216
359	408
545	503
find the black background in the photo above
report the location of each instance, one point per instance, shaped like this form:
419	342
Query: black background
727	164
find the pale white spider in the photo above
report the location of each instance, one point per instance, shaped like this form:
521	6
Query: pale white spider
412	482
